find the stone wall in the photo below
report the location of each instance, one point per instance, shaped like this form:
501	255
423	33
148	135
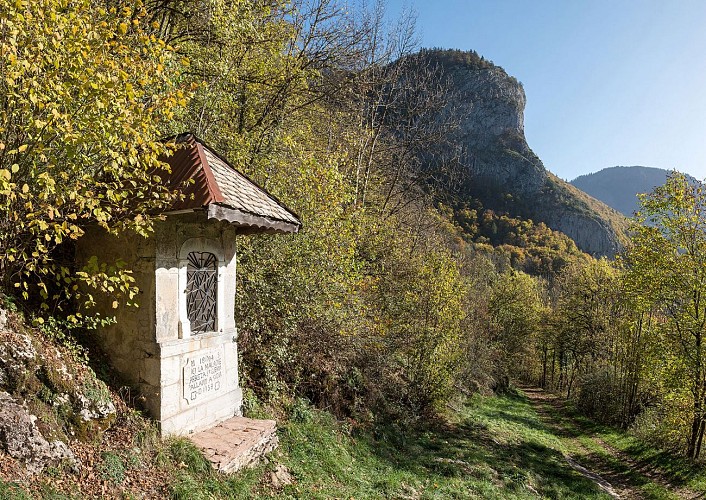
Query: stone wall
130	342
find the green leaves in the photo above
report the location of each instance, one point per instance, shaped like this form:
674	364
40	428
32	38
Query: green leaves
85	95
666	275
515	309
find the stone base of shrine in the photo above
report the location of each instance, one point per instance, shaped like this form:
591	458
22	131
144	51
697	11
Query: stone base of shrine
236	443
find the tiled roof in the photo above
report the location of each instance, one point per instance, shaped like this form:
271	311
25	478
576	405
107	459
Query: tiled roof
227	193
241	193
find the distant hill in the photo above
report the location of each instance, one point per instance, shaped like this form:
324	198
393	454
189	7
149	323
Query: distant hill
618	187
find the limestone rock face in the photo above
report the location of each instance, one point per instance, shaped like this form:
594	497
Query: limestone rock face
90	409
490	111
20	438
57	385
502	170
15	358
591	233
492	103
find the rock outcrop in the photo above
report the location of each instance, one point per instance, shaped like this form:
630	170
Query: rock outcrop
490	110
20	438
15	358
47	398
502	170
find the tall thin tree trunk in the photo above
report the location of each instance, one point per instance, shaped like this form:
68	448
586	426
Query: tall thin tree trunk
543	383
693	437
697	452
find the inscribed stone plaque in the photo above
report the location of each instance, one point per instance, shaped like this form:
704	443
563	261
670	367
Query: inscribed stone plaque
204	375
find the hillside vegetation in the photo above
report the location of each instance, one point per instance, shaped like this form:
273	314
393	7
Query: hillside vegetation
504	446
484	154
397	300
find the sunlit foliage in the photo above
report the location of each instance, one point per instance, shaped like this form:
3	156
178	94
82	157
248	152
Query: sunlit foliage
83	95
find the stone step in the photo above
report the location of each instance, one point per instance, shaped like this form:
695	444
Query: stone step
237	442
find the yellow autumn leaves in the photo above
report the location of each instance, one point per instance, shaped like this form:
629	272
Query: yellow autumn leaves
84	94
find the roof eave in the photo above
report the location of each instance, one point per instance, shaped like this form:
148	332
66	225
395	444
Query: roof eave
225	160
250	223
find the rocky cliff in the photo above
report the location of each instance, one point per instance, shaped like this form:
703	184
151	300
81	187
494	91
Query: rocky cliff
503	171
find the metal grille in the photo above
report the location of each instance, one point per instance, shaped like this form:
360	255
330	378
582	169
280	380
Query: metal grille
201	291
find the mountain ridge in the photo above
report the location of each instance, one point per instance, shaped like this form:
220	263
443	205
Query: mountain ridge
618	186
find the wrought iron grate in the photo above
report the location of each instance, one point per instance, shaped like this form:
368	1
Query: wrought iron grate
202	291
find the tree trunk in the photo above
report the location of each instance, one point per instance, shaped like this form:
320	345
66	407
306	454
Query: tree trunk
571	383
697	452
545	353
694	436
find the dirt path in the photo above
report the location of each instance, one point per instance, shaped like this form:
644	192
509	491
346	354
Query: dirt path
612	470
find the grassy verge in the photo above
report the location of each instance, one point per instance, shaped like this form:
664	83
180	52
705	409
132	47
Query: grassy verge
491	447
494	448
646	460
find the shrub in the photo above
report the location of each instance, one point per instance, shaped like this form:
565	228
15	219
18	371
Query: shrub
84	93
599	396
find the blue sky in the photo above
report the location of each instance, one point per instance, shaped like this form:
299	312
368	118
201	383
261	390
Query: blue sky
608	82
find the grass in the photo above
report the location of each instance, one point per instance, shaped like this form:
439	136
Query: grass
495	448
492	447
12	491
676	470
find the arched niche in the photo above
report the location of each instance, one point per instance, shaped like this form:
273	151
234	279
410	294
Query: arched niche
201	291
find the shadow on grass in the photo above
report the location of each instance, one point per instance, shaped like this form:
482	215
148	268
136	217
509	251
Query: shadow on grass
528	422
500	448
470	449
676	470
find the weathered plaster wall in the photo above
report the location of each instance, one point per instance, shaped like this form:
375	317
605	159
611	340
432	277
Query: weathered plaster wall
130	343
179	413
149	346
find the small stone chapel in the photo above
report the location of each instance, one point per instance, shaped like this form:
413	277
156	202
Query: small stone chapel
179	348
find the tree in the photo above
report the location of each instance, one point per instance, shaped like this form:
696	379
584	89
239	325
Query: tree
515	309
84	96
666	265
418	308
586	314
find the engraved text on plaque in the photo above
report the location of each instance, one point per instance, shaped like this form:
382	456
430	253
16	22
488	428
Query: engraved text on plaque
204	375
